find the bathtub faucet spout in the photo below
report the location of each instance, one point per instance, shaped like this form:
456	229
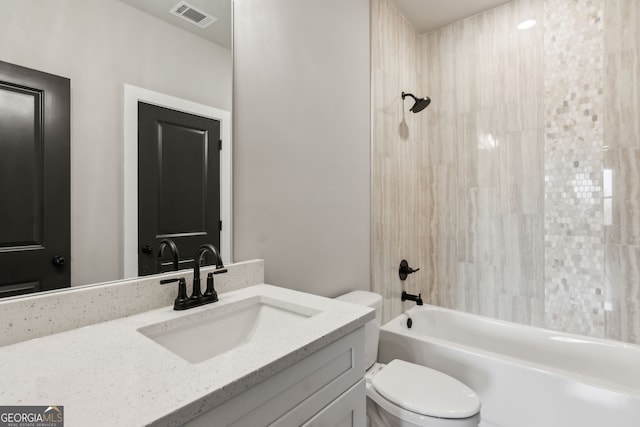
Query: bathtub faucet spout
409	297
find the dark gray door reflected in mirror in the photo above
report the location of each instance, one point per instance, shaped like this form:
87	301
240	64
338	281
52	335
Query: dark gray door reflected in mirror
178	185
35	246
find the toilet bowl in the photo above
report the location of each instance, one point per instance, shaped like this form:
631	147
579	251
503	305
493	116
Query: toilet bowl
404	394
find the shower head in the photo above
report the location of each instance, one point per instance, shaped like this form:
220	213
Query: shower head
420	103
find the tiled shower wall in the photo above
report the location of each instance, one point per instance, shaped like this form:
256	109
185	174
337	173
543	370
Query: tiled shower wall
397	158
517	191
621	286
485	136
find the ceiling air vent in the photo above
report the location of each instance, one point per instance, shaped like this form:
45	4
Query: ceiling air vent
196	16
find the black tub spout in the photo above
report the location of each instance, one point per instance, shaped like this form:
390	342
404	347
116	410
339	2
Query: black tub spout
409	297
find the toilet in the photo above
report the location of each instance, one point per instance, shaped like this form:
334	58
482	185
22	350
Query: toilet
403	394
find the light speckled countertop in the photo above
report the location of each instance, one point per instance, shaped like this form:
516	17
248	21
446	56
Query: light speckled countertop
110	374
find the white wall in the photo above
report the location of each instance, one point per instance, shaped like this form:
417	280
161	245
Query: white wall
100	45
302	141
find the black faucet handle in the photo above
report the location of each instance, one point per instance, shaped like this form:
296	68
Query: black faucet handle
405	270
210	293
220	271
182	300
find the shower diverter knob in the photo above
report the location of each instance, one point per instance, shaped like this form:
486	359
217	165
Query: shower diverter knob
405	270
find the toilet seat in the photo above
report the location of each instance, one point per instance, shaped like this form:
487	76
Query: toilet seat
423	409
425	391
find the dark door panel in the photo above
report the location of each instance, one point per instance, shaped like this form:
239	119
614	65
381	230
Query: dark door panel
178	184
183	179
21	166
34	180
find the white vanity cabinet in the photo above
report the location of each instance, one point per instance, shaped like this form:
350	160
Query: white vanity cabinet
295	359
326	388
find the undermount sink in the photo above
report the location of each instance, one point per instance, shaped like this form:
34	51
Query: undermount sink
208	333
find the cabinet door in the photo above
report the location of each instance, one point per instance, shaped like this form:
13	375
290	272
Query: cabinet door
348	410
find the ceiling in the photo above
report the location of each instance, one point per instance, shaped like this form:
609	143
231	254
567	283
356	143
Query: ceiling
424	15
219	32
428	15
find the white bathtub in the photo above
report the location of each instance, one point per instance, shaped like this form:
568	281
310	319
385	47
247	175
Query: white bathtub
525	376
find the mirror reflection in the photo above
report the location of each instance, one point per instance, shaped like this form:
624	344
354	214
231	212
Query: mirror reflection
101	47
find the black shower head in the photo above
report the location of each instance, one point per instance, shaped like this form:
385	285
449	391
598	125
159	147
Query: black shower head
420	103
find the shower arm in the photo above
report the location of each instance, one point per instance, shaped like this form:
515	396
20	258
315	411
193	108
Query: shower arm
404	95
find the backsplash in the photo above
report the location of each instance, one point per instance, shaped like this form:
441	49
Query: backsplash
518	190
28	317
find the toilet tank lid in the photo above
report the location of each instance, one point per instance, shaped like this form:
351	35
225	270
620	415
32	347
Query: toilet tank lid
425	391
366	298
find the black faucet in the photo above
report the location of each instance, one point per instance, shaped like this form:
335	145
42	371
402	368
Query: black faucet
217	259
409	297
197	298
174	252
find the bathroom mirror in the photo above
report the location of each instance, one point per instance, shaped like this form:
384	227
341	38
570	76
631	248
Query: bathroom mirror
103	46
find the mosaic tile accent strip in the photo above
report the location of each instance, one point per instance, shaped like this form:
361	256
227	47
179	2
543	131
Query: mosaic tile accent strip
574	104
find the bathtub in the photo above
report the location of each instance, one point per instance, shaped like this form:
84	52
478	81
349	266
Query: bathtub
525	376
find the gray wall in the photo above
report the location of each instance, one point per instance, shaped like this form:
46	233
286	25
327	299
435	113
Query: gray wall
100	45
302	141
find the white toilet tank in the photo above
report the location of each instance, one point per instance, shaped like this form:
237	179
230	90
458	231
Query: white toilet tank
372	327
